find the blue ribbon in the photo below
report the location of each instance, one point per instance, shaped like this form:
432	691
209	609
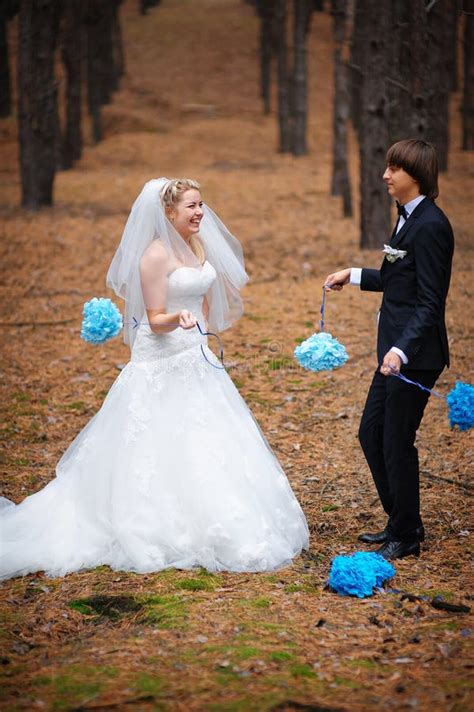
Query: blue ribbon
322	310
415	383
221	348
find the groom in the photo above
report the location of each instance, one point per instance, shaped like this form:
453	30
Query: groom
414	278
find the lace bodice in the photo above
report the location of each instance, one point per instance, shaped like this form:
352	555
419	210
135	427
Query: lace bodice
187	287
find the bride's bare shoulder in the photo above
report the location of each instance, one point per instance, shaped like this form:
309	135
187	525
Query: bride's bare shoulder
155	252
154	258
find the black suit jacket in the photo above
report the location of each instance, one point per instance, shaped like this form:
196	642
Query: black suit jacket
415	289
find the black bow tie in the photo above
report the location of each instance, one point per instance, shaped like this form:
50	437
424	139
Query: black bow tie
401	210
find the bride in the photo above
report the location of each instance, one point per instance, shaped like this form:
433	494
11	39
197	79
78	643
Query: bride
173	471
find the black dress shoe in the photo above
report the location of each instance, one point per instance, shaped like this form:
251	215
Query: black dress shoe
398	549
382	537
375	538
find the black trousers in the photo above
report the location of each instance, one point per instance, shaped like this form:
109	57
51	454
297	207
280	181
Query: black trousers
391	417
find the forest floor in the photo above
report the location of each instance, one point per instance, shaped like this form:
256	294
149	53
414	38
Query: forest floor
180	640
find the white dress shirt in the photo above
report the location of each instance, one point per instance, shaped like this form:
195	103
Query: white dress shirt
356	272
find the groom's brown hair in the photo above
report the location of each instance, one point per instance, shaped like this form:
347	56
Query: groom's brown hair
418	158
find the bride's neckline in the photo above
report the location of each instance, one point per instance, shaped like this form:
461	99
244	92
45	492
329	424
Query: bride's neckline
186	267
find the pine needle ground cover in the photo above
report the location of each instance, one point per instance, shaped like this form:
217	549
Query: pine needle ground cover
189	640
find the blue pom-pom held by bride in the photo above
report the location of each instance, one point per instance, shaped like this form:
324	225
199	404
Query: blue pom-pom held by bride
102	321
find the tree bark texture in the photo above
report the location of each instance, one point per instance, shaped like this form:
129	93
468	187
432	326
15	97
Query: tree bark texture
301	23
340	184
265	12
454	35
468	90
281	16
117	46
93	68
37	100
398	82
98	19
106	55
8	10
420	79
5	87
355	62
418	66
373	131
442	18
72	59
145	5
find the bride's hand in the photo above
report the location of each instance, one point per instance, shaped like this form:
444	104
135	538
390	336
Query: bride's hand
337	280
187	320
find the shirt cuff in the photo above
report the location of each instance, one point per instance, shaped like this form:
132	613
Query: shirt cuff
400	353
356	275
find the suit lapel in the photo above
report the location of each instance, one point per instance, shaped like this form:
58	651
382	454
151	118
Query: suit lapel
394	232
418	211
403	230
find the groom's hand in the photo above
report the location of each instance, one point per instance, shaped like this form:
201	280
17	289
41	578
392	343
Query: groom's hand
391	364
337	280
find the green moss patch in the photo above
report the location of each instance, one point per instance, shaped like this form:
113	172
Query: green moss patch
163	611
106	606
166	611
281	656
75	686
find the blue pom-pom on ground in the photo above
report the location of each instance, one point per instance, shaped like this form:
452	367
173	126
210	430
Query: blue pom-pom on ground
359	573
461	406
321	352
102	321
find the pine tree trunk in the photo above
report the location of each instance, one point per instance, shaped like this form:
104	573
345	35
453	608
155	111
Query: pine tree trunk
373	131
281	16
265	13
145	5
72	56
468	92
106	54
98	61
398	82
37	100
5	87
340	184
415	79
117	45
453	49
440	28
302	15
355	63
419	71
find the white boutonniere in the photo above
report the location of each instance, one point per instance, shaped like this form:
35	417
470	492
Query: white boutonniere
392	255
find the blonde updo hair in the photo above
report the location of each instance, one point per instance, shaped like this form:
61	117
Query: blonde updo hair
171	194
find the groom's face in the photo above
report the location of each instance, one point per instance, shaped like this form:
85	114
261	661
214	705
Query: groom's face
400	184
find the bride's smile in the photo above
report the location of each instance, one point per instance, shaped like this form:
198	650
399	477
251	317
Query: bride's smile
186	216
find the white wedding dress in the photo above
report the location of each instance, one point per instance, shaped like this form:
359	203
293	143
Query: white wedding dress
173	471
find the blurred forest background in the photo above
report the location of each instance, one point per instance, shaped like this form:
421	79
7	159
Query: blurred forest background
283	110
385	82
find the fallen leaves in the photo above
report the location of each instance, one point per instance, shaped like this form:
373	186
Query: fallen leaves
183	640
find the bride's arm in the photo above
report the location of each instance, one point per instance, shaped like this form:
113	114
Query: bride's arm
154	280
162	322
